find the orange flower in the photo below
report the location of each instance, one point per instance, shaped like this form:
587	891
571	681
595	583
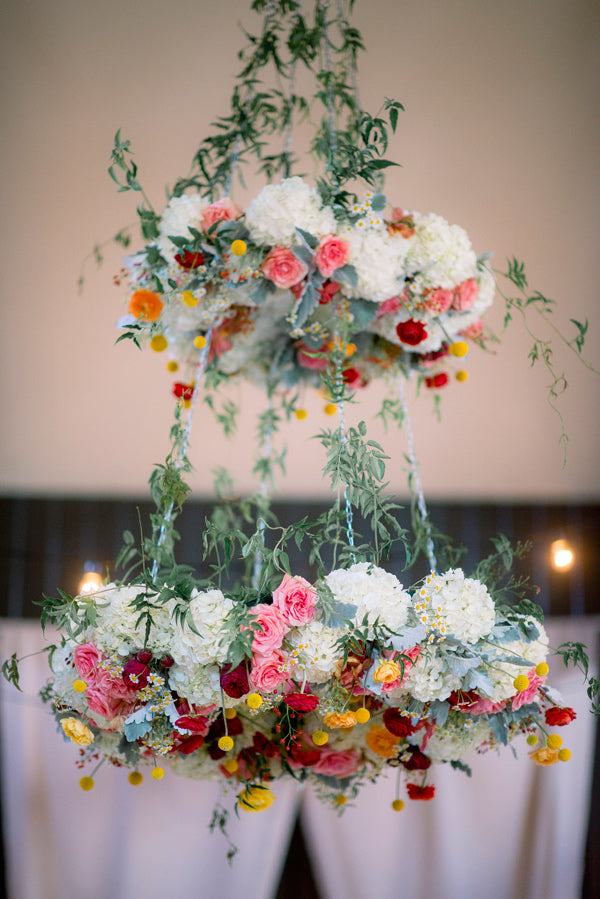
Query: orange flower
544	756
337	719
145	304
381	741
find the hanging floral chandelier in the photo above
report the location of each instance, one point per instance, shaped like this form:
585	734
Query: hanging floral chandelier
332	680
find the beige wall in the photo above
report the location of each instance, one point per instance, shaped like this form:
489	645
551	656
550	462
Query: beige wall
499	135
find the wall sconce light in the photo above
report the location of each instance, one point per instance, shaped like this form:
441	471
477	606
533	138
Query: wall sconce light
91	581
561	555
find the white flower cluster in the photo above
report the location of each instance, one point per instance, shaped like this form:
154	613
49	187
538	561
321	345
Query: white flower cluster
314	652
376	593
460	735
380	262
207	644
116	629
177	216
450	603
429	678
440	252
274	214
503	673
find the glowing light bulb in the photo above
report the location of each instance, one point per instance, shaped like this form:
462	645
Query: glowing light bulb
562	555
90	583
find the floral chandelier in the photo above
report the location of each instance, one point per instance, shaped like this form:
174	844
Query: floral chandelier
332	680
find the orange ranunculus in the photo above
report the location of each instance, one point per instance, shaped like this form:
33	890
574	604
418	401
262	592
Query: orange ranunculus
145	304
339	719
381	741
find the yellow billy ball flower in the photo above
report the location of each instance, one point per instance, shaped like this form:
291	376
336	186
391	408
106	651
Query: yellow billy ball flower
541	669
80	686
231	766
397	805
172	366
86	783
158	773
225	743
159	343
238	247
189	299
462	375
200	342
330	409
362	715
230	713
254	700
554	741
78	732
459	348
319	738
532	740
521	683
135	778
301	414
340	799
255	798
564	754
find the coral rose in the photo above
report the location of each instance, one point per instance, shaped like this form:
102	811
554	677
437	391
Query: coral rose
269	625
296	599
86	659
465	294
439	300
332	253
269	671
283	268
222	211
337	763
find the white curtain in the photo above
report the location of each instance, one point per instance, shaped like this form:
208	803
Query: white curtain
513	830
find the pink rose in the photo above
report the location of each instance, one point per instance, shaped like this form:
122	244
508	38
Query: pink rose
222	211
332	253
283	268
338	763
295	598
465	294
109	706
307	359
269	626
269	671
389	306
485	707
114	686
524	697
439	300
87	658
397	214
473	331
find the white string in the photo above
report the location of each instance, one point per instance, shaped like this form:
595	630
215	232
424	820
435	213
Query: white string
330	104
416	477
265	451
201	368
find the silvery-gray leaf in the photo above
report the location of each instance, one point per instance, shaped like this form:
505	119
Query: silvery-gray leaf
407	637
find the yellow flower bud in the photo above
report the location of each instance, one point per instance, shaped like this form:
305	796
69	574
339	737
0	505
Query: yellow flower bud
460	348
362	715
86	783
135	778
80	686
340	799
172	366
254	700
554	741
397	805
238	247
230	713
564	754
231	766
532	740
200	342
542	669
158	773
319	738
462	375
330	409
521	682
301	414
225	744
159	343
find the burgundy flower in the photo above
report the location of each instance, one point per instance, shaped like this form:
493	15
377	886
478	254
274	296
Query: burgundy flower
143	656
439	380
417	792
135	674
196	724
434	355
556	717
167	662
327	292
301	702
235	681
190	744
411	332
398	724
188	259
417	761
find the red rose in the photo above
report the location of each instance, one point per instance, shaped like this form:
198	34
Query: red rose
417	761
556	717
327	292
183	391
304	757
167	662
397	724
417	792
235	681
411	332
439	380
143	656
188	259
301	702
135	674
190	744
353	378
197	725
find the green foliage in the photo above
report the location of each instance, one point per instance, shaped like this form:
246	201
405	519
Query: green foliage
10	670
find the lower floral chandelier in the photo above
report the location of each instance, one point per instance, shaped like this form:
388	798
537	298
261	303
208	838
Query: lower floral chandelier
335	679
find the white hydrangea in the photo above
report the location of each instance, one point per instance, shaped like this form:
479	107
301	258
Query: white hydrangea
380	262
455	739
177	216
209	646
200	685
116	629
256	344
65	675
314	652
274	214
503	674
451	604
376	593
440	252
428	680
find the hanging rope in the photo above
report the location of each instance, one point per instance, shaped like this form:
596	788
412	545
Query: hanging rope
339	389
201	368
330	102
416	477
266	449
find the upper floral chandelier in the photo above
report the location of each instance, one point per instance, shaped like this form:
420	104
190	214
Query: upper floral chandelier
335	679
